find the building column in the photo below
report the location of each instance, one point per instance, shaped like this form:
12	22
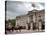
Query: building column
34	17
31	26
40	26
26	26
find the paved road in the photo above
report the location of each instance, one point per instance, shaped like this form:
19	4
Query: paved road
21	31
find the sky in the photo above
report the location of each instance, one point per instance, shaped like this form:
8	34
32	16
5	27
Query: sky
17	8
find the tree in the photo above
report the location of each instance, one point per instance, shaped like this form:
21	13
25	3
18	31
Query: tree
13	22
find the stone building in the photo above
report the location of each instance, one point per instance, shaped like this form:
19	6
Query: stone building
34	20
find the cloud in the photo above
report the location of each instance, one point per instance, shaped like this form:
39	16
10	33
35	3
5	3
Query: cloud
16	8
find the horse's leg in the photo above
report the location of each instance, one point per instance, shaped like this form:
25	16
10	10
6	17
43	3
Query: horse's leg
9	30
12	29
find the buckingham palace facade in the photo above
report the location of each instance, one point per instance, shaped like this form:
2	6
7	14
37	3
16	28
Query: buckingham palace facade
34	20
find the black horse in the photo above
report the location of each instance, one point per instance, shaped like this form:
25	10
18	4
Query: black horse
8	29
20	28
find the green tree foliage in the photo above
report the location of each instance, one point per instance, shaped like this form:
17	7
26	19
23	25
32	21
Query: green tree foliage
13	22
